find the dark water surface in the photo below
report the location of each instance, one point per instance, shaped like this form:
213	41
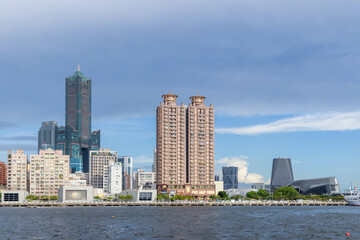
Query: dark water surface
180	223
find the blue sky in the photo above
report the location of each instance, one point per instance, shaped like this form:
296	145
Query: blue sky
283	76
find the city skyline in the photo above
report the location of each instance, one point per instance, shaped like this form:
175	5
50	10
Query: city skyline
283	86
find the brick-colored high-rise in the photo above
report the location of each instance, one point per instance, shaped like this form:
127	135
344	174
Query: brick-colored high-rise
3	174
170	144
200	146
185	147
17	170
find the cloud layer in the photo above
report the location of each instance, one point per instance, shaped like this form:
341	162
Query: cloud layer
311	122
243	175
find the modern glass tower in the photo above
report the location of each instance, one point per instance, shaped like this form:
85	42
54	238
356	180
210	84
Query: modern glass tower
230	177
76	138
47	135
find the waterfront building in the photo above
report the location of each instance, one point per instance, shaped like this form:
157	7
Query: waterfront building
3	174
47	135
140	195
127	165
185	147
73	194
8	196
98	161
113	178
76	138
144	178
200	146
154	161
17	169
170	144
282	174
319	186
49	170
230	177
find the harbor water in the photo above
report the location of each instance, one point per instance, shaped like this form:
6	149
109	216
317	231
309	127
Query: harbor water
256	222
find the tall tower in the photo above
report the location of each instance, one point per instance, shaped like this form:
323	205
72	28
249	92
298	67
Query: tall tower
78	104
185	147
282	174
170	144
76	138
230	177
47	135
200	143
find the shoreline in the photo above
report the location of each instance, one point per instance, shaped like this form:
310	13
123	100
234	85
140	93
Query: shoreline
170	204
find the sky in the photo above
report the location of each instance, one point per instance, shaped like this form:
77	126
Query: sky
283	76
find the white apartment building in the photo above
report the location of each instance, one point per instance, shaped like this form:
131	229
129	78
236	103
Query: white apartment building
77	179
49	170
113	178
143	178
97	161
17	171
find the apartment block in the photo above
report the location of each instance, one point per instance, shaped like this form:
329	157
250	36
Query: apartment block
113	178
98	160
17	171
3	174
170	144
49	170
200	147
144	178
185	147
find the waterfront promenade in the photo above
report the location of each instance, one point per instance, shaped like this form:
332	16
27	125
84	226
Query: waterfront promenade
172	204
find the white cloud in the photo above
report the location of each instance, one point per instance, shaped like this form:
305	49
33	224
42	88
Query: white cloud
242	164
311	122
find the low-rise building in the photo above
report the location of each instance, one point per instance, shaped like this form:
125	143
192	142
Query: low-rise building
143	178
141	194
13	196
68	194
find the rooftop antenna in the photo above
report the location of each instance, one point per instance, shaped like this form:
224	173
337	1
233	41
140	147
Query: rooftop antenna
78	68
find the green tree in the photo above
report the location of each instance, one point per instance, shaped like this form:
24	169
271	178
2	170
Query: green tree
212	197
252	195
222	195
236	197
97	197
172	199
263	194
286	193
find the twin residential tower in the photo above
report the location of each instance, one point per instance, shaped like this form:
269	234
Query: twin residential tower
185	147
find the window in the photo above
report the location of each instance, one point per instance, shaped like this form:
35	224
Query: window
145	196
11	197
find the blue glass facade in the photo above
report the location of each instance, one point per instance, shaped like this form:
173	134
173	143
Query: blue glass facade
76	138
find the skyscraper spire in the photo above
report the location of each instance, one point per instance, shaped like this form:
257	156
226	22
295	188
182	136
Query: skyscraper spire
78	68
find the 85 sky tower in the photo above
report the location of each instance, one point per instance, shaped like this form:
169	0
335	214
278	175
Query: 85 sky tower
76	138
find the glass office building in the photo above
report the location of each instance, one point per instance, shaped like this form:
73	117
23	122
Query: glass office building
76	138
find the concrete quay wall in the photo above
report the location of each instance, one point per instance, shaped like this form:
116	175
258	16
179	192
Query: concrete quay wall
170	204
